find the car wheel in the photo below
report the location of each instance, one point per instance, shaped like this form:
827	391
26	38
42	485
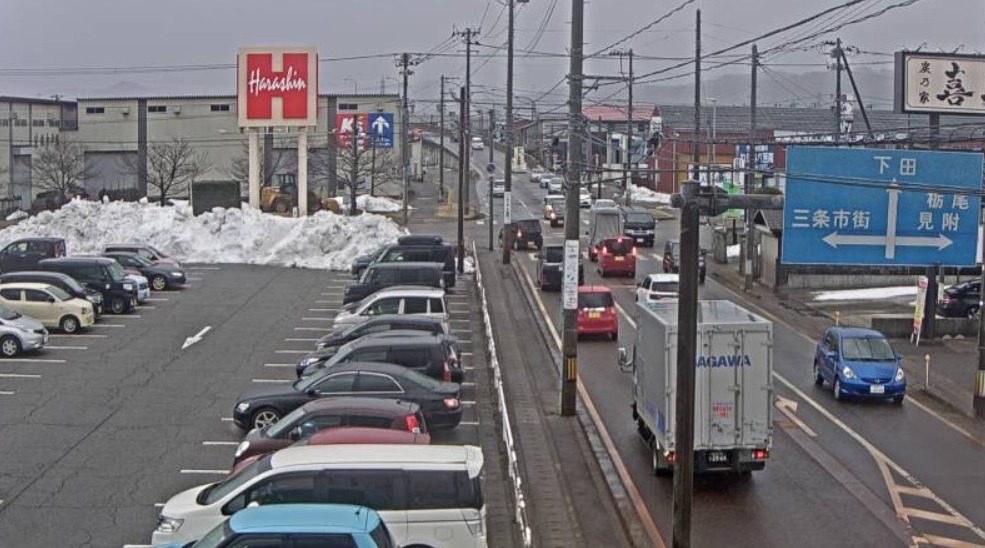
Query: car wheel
818	377
614	336
264	416
117	305
10	346
280	206
836	387
69	324
158	283
898	400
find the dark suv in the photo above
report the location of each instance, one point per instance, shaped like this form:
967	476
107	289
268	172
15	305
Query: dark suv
639	225
25	254
526	233
360	263
962	300
436	356
550	263
380	275
416	253
672	259
101	274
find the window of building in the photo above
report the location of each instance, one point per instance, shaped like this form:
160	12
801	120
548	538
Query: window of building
95	110
4	122
37	123
54	123
20	123
220	108
348	106
157	108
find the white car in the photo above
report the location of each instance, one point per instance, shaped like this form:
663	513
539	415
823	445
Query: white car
584	197
499	188
555	185
143	286
395	300
536	174
477	144
52	306
658	288
604	202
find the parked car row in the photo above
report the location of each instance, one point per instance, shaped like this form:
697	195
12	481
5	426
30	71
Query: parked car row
43	288
355	427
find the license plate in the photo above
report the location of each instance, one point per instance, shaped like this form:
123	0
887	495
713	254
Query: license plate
877	389
639	240
717	457
594	315
620	259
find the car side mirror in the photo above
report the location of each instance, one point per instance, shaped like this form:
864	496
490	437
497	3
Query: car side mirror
294	434
899	356
311	392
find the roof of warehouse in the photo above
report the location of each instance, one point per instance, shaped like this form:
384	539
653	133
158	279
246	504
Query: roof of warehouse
223	97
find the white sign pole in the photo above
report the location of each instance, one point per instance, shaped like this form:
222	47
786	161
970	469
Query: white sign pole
303	172
507	207
569	284
254	175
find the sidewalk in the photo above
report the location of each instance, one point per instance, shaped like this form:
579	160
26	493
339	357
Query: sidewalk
952	362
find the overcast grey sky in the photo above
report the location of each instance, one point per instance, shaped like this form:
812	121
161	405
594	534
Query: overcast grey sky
130	33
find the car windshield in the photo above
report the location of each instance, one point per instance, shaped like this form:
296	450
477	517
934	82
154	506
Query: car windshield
8	314
215	537
59	293
639	218
665	287
116	272
866	349
556	205
619	246
218	491
595	300
528	225
142	260
277	429
553	254
675	250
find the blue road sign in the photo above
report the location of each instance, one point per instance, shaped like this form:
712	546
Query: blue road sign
856	206
490	168
381	128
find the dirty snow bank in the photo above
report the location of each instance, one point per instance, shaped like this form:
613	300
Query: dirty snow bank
377	203
324	240
642	195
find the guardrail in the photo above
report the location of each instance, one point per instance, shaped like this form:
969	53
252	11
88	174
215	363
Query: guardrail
520	515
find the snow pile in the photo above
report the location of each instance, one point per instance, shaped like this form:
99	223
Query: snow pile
17	215
642	195
468	265
733	251
324	240
377	203
870	294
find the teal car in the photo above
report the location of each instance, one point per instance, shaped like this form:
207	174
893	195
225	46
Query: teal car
297	525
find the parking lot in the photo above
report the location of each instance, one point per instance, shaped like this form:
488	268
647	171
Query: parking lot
101	428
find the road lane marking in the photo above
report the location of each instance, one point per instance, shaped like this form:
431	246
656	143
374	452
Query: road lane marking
210	443
55	347
292	351
327	302
627	480
301	340
279	365
194	279
226	419
197	471
271	381
19	376
157	300
7	392
79	336
108	325
788	408
468	423
30	360
332	294
203	268
321	329
323	310
317	319
144	307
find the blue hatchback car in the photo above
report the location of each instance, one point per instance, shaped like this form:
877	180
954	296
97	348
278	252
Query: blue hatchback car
294	525
859	363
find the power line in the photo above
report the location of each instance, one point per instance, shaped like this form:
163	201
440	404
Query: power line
643	29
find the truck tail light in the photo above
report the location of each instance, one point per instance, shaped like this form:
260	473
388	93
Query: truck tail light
761	454
671	457
451	403
413	425
519	233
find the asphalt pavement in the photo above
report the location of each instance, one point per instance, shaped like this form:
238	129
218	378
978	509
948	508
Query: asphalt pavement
101	428
840	473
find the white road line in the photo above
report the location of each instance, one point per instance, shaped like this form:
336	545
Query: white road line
323	310
317	319
327	302
460	321
301	340
145	307
466	384
138	316
157	300
467	402
279	365
6	392
292	351
79	336
19	376
194	279
469	423
138	546
220	443
55	347
322	329
30	360
467	354
226	419
585	222
194	471
271	381
159	505
203	268
467	368
108	325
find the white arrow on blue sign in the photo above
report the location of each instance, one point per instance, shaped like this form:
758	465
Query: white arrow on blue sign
381	126
881	207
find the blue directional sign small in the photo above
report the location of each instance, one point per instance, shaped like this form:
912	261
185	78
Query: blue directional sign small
381	128
857	206
490	168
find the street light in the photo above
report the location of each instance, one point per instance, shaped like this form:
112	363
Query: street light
354	84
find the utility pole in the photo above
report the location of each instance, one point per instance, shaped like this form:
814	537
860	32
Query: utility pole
405	71
469	35
572	223
508	163
492	177
626	181
858	96
354	171
978	402
441	141
462	167
837	55
750	175
687	325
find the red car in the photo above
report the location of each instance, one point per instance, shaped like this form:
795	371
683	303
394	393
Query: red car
617	255
352	435
597	312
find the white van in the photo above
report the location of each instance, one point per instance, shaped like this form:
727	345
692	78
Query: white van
395	300
478	143
426	494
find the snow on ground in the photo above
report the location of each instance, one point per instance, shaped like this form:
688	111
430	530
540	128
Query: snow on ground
377	203
869	294
733	251
469	265
324	240
19	214
642	195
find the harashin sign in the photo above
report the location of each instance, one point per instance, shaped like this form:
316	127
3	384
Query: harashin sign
277	87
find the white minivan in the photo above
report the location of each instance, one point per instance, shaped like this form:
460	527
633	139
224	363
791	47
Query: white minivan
395	300
428	495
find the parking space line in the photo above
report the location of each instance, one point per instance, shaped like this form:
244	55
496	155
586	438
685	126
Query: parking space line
55	347
194	279
301	340
80	336
138	316
159	505
138	546
203	268
145	307
467	354
323	310
157	300
30	360
322	329
226	419
19	376
467	402
326	302
195	471
271	381
107	325
317	319
279	365
466	384
210	443
331	294
468	423
292	351
6	392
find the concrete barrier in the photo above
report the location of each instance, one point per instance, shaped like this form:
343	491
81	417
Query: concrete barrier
900	326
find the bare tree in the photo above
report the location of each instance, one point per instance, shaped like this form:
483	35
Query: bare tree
239	167
171	167
61	167
358	164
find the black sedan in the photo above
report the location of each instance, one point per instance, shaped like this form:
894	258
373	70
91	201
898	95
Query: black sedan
161	276
961	301
379	324
439	401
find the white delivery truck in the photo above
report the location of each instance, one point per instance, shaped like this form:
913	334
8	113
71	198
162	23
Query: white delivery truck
733	396
606	222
